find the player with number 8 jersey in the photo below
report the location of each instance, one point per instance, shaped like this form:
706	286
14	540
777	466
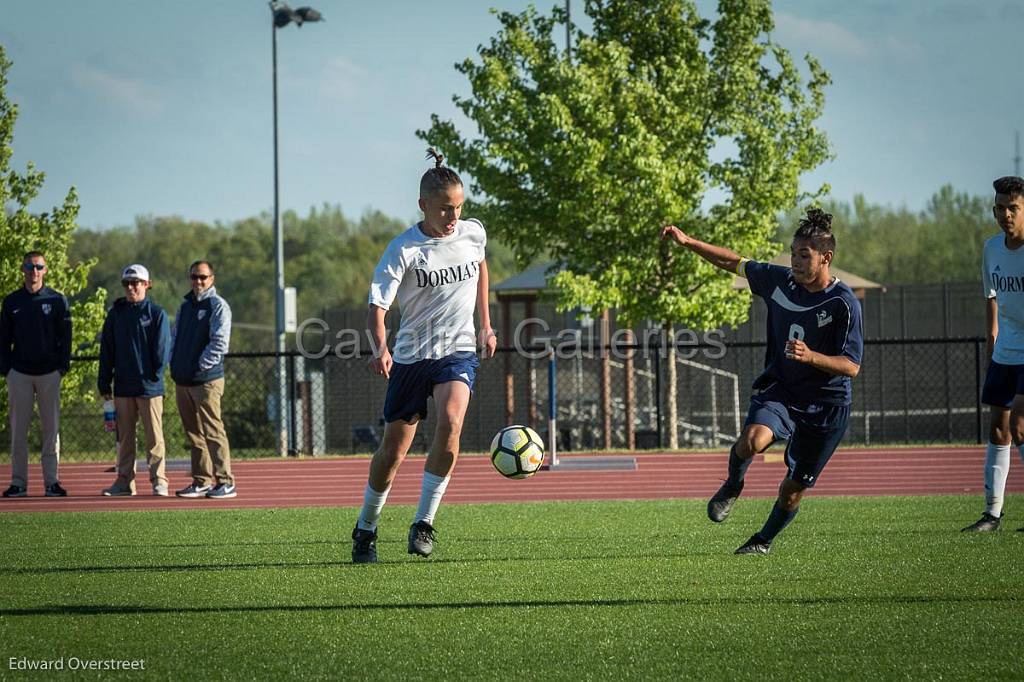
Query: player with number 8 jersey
814	347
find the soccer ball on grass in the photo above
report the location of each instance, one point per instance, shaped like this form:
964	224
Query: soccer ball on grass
517	452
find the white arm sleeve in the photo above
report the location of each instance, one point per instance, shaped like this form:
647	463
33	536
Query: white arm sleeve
386	278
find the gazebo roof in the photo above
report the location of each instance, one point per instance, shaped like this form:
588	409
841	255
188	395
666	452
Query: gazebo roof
532	280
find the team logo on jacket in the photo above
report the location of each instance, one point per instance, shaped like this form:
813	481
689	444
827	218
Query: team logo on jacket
144	321
202	314
47	308
823	318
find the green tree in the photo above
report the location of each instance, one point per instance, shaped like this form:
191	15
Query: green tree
661	116
50	233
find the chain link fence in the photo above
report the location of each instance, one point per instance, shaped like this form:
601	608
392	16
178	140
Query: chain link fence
908	391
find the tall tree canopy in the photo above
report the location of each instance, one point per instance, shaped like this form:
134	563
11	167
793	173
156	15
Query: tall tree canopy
660	116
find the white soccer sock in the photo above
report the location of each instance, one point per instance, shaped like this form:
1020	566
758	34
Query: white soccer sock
430	497
997	466
373	504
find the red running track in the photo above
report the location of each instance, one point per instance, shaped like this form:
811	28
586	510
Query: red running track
340	482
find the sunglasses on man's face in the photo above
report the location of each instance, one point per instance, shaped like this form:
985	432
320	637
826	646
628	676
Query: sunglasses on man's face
200	278
28	267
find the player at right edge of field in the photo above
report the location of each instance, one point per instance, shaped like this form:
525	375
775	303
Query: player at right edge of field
814	348
1002	274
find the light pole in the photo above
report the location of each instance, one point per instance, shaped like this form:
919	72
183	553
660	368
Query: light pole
282	15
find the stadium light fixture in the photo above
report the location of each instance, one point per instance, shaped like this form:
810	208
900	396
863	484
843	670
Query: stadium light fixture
281	16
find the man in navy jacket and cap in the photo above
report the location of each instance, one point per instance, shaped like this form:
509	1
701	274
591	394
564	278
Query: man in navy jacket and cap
133	352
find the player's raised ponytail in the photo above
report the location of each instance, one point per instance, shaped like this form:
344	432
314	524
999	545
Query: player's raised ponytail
816	227
438	178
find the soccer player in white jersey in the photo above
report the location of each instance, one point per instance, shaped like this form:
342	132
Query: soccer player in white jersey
1002	273
437	272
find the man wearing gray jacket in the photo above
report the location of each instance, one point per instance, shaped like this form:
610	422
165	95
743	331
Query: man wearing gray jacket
199	340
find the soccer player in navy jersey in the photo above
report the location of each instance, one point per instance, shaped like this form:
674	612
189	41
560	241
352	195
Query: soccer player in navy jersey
1002	273
814	348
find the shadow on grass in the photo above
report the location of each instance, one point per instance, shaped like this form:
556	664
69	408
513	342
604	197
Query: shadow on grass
341	563
882	600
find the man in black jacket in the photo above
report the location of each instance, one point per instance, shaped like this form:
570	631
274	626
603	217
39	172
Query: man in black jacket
35	352
133	351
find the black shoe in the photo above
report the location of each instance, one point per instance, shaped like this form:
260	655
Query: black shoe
986	523
364	546
421	538
721	504
755	545
55	490
16	491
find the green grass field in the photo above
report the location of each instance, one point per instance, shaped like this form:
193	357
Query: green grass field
856	588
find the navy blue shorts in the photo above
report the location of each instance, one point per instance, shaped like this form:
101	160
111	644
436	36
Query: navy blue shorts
1002	382
410	385
813	432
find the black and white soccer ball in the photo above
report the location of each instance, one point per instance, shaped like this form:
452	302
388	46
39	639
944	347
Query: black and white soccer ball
517	452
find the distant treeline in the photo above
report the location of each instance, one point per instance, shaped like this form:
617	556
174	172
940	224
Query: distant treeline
329	259
888	245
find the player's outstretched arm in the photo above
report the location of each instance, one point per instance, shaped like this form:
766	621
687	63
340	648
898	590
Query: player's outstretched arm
380	356
488	341
839	365
719	256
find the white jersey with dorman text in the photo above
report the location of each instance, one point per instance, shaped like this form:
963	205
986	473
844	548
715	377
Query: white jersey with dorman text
1002	274
434	280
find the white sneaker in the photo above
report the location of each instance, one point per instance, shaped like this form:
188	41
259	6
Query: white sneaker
160	490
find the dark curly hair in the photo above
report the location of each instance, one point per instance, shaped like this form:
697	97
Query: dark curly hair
1009	185
816	227
438	178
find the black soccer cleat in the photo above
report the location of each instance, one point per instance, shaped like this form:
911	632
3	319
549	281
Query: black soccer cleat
721	503
985	524
421	538
755	545
364	546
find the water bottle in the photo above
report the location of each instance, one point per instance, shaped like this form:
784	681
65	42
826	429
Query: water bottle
109	415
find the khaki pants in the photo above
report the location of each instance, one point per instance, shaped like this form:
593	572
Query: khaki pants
22	391
151	412
199	407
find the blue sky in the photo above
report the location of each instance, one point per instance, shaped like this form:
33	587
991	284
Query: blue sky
165	108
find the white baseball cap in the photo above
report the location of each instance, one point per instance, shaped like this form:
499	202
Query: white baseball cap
136	271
